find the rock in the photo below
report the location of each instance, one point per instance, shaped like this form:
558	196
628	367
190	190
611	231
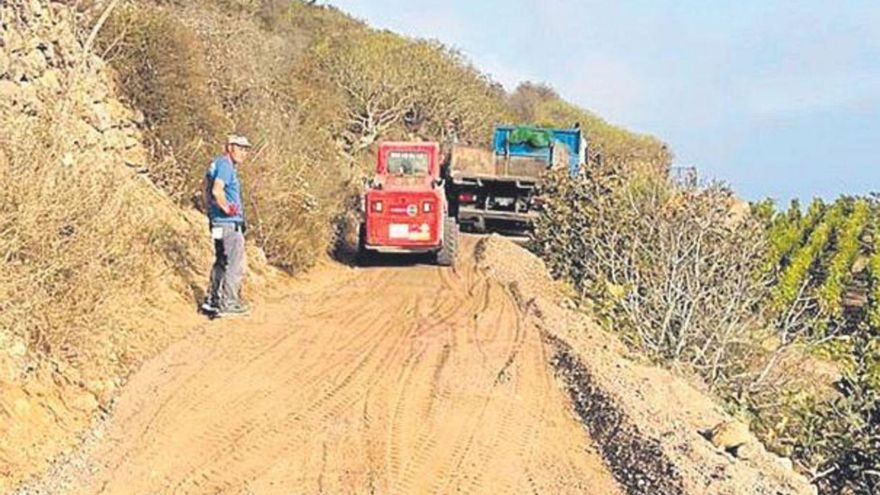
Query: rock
97	93
135	157
100	117
14	41
729	436
85	402
51	80
36	8
785	462
139	118
4	63
118	112
35	64
8	91
17	70
18	349
130	142
750	450
114	139
85	135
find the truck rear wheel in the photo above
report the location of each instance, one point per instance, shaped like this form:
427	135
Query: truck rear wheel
363	256
446	255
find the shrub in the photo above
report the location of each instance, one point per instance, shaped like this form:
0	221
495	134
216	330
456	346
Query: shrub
786	231
675	269
162	71
390	85
84	244
790	288
840	439
847	248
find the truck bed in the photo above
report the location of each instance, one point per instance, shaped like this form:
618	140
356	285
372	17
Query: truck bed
476	164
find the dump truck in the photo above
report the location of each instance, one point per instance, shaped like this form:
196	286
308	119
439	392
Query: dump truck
405	206
495	190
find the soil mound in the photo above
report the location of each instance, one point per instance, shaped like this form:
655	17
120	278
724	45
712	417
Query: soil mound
649	424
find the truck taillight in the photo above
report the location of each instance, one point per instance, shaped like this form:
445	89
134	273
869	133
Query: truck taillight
377	206
467	198
427	207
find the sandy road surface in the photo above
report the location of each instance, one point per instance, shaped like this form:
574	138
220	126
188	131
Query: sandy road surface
384	380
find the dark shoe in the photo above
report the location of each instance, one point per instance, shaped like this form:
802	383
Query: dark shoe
209	306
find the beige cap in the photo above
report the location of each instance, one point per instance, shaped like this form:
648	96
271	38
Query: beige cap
238	141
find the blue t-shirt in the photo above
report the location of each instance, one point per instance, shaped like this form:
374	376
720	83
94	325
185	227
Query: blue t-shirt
222	168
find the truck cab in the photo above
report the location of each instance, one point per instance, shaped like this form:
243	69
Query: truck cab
405	207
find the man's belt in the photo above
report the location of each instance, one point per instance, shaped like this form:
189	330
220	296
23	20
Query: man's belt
237	226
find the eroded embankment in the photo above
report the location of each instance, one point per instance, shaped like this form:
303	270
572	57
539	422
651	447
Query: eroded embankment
645	421
637	462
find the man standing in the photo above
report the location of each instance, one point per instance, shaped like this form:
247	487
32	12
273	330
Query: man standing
226	216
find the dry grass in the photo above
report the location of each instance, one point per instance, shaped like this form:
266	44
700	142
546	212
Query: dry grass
201	70
163	72
84	246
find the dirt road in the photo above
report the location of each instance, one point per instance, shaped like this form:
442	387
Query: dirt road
391	380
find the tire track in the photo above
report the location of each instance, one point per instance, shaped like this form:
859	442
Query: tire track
380	380
318	408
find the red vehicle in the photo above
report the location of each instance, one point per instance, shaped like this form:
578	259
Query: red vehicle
405	206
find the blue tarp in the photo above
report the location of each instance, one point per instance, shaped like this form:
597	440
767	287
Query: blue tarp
571	138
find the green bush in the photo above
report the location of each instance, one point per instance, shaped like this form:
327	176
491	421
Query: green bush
840	439
786	231
840	267
796	275
675	270
831	435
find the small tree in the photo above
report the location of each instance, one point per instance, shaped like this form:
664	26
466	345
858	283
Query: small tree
375	76
388	82
452	97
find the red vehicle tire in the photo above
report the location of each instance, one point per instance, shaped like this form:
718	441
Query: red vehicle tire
446	255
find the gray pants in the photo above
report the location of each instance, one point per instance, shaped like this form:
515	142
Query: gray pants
228	270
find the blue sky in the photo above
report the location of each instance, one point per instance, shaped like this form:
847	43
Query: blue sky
777	98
